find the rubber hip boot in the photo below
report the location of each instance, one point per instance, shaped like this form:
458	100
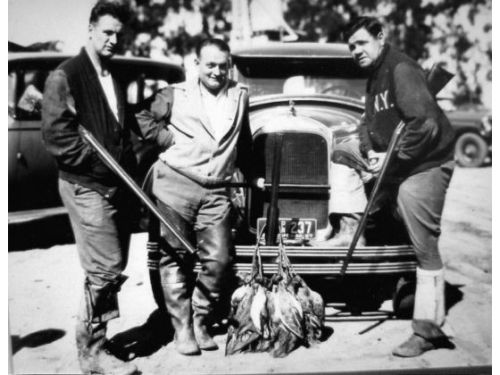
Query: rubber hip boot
203	338
179	308
428	316
92	356
175	268
347	224
215	246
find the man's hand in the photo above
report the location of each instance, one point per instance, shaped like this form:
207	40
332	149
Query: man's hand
375	161
259	183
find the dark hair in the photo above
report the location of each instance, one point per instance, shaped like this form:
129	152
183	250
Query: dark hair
219	43
114	9
371	24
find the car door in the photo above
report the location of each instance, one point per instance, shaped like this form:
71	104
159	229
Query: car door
32	171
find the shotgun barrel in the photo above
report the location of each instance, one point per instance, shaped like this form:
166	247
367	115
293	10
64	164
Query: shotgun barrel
120	172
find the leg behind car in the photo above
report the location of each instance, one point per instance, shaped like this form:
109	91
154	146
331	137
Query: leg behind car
347	197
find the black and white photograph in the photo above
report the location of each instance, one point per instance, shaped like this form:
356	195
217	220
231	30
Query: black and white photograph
249	187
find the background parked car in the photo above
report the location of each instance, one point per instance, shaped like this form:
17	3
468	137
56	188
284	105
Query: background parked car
33	172
473	128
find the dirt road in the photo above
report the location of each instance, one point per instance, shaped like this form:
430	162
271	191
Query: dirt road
44	291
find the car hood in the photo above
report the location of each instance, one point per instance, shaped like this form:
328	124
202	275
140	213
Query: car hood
339	115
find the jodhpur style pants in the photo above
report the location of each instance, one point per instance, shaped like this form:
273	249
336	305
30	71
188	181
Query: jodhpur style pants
419	197
102	233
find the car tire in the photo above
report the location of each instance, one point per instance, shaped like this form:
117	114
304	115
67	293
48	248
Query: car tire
404	298
470	150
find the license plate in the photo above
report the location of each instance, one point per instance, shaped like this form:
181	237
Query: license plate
293	229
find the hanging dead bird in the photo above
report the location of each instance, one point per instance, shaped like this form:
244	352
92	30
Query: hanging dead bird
258	311
313	308
248	319
311	303
241	331
276	314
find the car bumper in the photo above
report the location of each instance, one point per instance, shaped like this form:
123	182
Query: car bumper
324	261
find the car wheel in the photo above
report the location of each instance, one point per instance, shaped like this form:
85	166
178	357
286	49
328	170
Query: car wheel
470	150
404	298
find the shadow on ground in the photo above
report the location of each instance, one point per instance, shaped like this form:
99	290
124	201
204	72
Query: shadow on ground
43	233
144	340
36	339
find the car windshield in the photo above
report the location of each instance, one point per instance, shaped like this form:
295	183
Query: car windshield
333	76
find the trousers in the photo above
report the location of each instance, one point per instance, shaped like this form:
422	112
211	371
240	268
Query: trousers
419	198
102	233
203	215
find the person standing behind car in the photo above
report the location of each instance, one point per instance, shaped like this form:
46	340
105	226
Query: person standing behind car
81	93
422	167
203	125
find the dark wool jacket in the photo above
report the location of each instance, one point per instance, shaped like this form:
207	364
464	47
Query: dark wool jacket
74	97
397	90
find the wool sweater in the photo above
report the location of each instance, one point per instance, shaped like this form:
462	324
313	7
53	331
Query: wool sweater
397	91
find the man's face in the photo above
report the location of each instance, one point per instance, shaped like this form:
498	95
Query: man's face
213	68
104	35
365	48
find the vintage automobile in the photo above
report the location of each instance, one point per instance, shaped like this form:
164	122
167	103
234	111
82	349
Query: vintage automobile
310	96
33	190
473	128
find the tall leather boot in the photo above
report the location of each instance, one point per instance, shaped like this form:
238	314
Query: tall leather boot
347	225
99	305
216	251
428	316
175	268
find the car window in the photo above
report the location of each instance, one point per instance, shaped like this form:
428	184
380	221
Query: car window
142	88
297	76
27	80
25	93
12	78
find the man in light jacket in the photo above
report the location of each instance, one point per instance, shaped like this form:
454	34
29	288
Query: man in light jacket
204	128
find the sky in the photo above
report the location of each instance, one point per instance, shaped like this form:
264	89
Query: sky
32	21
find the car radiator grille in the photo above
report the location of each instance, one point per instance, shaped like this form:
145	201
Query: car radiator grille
304	181
304	158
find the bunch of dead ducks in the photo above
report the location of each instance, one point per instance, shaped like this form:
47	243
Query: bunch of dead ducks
274	314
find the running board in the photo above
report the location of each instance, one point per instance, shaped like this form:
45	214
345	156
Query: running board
20	217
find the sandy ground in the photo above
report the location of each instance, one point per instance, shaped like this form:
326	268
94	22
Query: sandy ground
44	291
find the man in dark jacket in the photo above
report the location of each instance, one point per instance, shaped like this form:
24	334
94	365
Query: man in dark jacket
420	171
81	92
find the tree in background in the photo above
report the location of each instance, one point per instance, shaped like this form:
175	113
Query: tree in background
455	33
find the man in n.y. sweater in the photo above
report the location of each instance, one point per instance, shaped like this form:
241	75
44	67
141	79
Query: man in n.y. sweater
423	164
